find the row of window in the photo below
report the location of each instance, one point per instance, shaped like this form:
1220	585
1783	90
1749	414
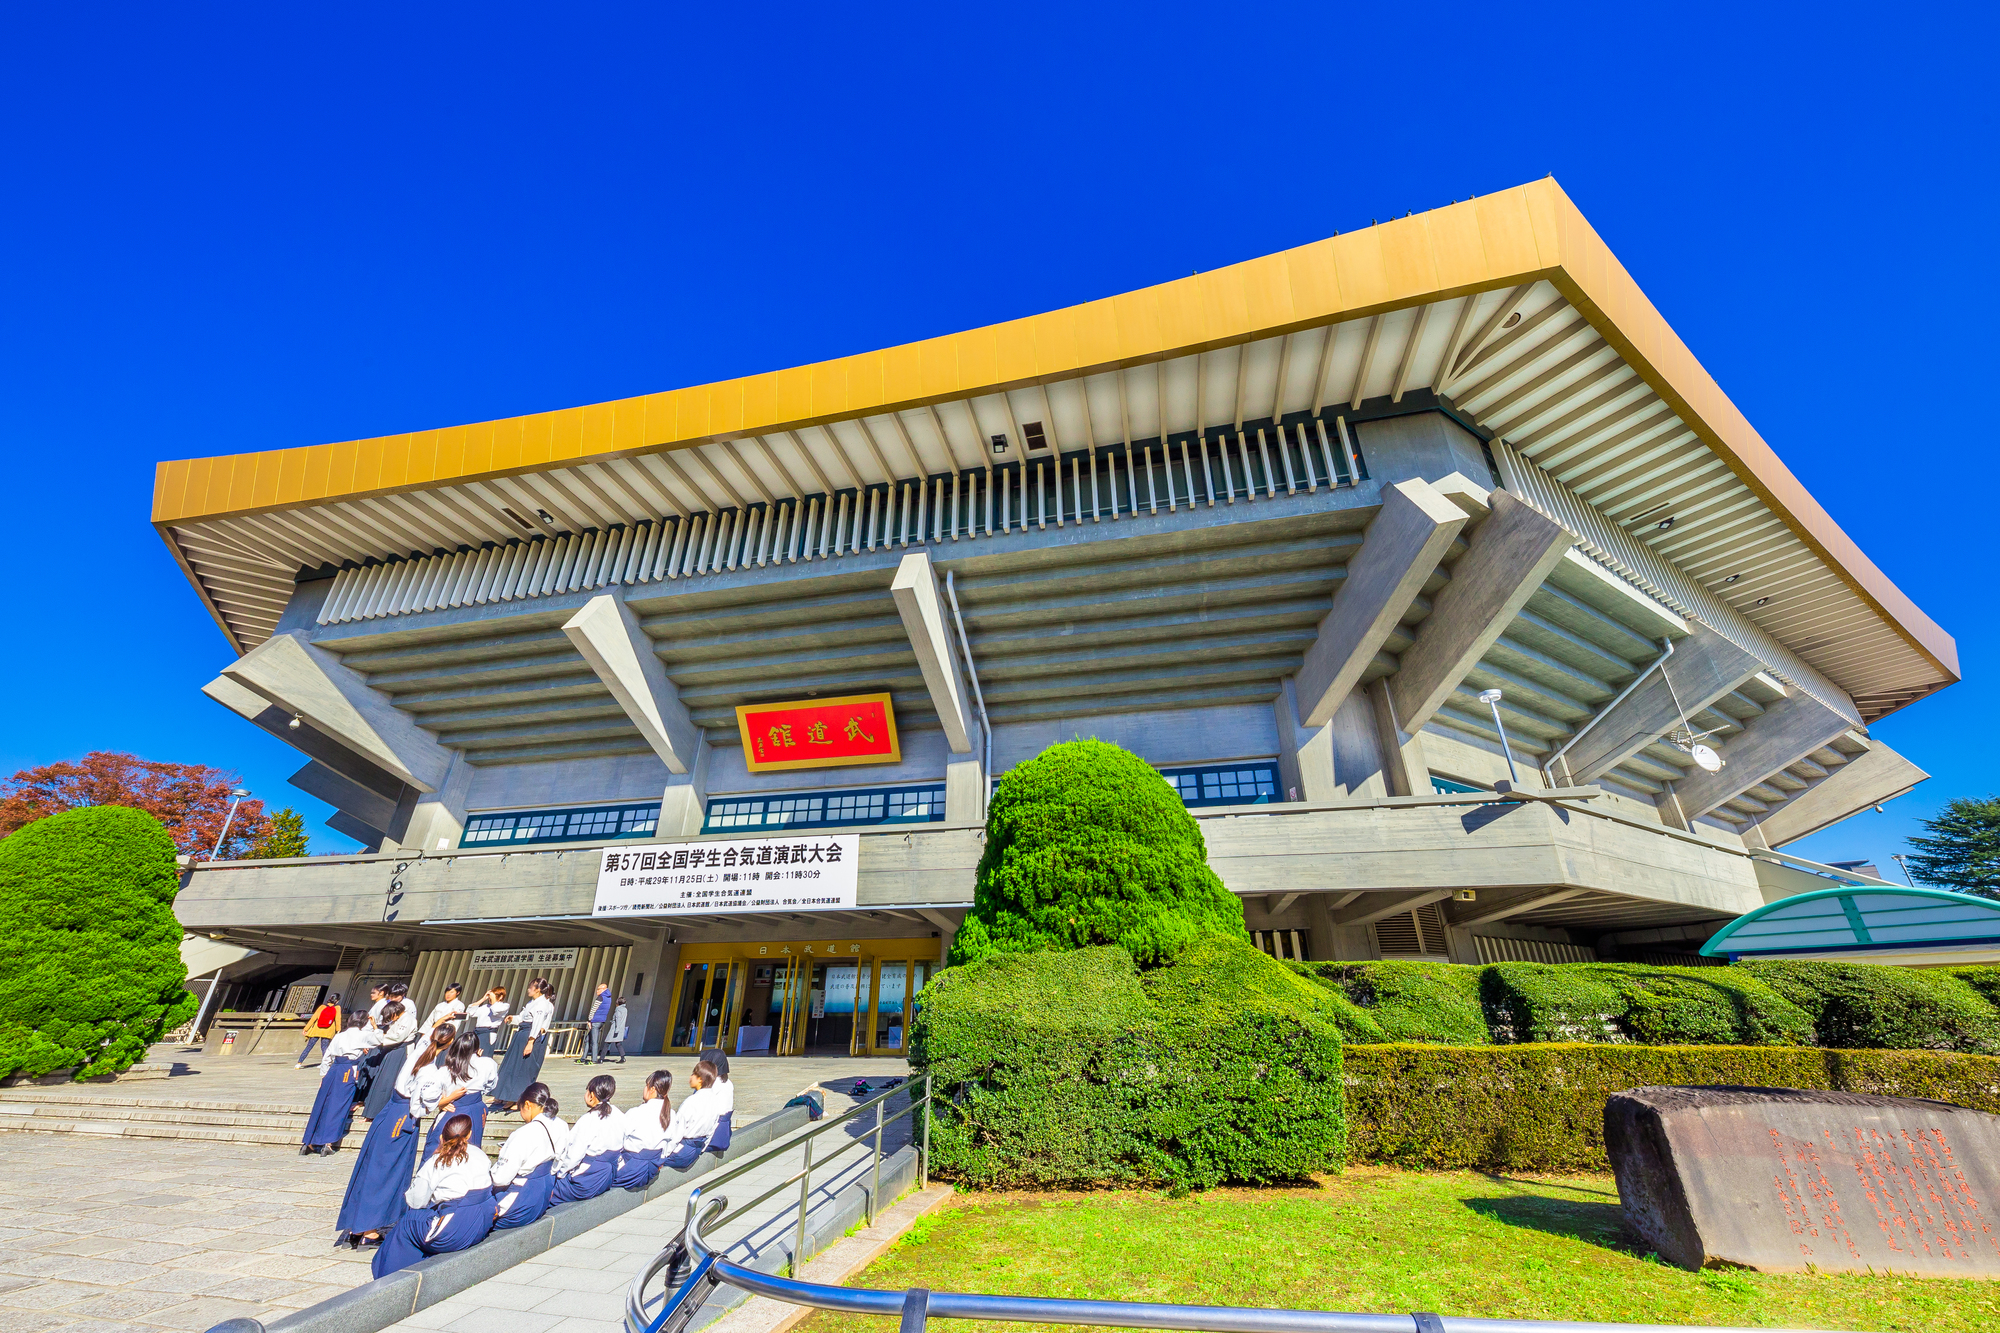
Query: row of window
1216	784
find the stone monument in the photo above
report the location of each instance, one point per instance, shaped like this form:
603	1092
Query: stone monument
1782	1180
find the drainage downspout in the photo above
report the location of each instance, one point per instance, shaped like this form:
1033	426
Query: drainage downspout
965	647
1549	764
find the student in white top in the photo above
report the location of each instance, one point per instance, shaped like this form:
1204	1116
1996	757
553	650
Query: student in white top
354	1039
646	1142
454	1084
450	1203
590	1159
377	997
694	1122
422	1075
448	1010
339	1072
487	1016
396	1040
524	1057
524	1175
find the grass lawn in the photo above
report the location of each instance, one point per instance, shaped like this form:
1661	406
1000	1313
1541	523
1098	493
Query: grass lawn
1379	1241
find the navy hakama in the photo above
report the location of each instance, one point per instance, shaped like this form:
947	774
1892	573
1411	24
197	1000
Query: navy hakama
592	1177
527	1201
638	1170
388	1067
382	1172
684	1156
456	1224
718	1142
333	1108
517	1071
470	1105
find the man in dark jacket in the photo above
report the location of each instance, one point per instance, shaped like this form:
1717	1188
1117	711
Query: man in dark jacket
600	1013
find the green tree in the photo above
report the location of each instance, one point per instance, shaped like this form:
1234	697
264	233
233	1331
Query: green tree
286	837
90	964
1963	849
1087	844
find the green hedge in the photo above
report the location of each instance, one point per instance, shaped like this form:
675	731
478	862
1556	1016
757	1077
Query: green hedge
1541	1107
1985	980
1065	1069
1405	1001
1874	1006
1654	1006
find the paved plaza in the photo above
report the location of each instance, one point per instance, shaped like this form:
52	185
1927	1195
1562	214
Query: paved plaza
100	1232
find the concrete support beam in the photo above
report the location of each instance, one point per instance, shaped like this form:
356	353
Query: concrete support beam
608	636
1369	911
1486	913
684	804
1405	542
1705	667
335	700
1509	556
1862	782
922	609
1788	731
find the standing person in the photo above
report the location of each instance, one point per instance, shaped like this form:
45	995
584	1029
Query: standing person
590	1159
455	1084
339	1070
487	1016
323	1028
530	1045
600	1014
374	1202
378	995
524	1175
646	1126
450	1204
448	1010
615	1035
397	1033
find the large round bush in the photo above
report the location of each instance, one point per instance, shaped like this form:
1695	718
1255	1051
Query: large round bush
90	964
1086	844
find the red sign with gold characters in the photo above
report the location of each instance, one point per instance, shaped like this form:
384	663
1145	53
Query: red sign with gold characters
819	733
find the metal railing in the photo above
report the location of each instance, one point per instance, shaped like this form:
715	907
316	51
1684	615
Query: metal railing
696	1269
714	1212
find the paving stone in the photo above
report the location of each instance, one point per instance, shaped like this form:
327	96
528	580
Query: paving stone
124	1305
146	1252
605	1305
282	1265
303	1294
588	1326
42	1321
38	1265
106	1272
186	1281
203	1312
84	1247
48	1295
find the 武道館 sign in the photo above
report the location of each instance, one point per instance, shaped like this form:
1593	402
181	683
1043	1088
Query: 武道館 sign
797	874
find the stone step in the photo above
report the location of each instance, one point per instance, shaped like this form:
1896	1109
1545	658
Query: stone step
294	1121
73	1096
197	1132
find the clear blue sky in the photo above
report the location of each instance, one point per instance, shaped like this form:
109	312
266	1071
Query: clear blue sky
238	227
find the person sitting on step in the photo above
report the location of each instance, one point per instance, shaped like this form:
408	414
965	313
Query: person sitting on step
450	1203
590	1159
524	1175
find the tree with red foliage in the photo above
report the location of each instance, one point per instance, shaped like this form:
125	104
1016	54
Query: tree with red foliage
190	800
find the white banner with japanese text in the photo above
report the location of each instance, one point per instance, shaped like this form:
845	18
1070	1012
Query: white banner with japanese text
510	960
801	873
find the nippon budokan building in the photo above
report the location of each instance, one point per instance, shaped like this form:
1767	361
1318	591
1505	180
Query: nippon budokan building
702	693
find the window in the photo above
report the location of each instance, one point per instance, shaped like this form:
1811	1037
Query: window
1446	787
1225	784
594	822
836	809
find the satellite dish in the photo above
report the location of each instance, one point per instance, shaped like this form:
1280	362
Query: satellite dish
1707	758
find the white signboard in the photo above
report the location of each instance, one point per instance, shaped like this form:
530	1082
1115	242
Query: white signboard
802	873
509	960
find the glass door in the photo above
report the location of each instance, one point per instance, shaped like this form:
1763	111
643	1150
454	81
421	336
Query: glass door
689	998
896	986
718	1011
706	1003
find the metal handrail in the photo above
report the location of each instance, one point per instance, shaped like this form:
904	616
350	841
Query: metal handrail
918	1305
676	1253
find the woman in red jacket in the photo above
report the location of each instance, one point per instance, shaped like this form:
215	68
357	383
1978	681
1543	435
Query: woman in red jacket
320	1028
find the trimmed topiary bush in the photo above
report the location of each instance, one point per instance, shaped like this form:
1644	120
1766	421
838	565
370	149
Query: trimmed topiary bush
1065	1069
1407	1001
1541	1107
1869	1005
1630	1002
1985	979
1087	844
90	963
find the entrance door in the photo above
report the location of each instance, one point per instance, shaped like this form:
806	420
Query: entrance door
897	984
705	1008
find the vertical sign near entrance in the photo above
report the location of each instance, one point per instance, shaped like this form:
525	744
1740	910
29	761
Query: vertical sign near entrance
807	874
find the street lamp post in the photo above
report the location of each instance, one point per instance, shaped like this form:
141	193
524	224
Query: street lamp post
1900	860
1491	698
229	819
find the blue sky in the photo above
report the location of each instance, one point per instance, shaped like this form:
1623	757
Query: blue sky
232	228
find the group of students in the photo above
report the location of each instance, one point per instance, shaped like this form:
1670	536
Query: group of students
453	1199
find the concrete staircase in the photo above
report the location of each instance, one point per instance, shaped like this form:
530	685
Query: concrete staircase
49	1110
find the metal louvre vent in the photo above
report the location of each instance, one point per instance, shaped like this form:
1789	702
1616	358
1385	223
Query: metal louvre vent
1493	949
1412	934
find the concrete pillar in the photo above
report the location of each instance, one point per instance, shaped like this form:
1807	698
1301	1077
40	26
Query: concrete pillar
1508	557
1328	763
965	792
646	1016
438	821
917	601
684	804
1705	666
1404	767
